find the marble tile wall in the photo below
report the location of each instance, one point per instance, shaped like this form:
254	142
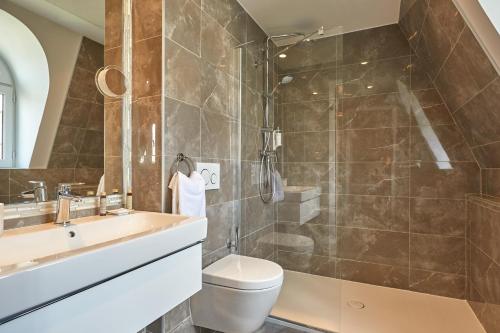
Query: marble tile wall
113	107
483	264
462	73
453	60
147	73
205	118
363	121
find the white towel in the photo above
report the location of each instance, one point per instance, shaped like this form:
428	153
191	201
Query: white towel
188	194
279	193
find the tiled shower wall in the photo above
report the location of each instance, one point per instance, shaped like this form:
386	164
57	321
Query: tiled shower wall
363	121
203	118
484	261
453	59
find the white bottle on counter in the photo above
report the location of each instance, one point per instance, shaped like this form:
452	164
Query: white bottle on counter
1	218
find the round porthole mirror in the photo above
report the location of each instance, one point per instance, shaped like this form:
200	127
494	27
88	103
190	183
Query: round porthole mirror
110	82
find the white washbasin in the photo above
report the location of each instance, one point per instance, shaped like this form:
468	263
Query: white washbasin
41	264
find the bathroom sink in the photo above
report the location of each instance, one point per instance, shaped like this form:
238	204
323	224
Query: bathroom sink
43	264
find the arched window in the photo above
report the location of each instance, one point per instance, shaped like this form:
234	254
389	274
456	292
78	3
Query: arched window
7	117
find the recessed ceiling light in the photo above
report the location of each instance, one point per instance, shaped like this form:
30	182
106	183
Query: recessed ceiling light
364	63
315	92
369	87
282	56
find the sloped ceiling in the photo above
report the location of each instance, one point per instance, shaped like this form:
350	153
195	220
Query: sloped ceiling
84	17
337	16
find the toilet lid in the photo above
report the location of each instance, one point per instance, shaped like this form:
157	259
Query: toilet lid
242	272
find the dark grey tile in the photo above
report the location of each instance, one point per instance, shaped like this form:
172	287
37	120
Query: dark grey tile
437	253
377	77
378	111
182	74
374	246
442	284
183	23
373	145
444	180
376	178
479	117
182	130
374	44
383	213
438	216
377	274
441	29
465	73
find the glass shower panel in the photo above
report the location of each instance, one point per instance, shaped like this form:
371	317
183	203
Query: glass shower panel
306	241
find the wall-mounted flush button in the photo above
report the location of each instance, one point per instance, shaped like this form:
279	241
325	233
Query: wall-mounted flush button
211	174
206	176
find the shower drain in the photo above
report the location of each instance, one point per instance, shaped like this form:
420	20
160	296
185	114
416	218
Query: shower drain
356	304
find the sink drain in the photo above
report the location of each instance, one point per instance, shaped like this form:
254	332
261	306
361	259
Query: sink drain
356	305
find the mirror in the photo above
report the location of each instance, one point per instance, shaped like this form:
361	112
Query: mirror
110	81
51	112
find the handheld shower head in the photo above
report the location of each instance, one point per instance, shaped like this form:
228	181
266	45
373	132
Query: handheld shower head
284	80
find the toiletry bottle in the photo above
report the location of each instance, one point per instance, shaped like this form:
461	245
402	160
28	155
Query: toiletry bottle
1	218
103	204
128	203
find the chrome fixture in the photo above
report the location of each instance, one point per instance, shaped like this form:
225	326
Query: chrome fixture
284	80
181	158
232	243
268	154
38	191
64	199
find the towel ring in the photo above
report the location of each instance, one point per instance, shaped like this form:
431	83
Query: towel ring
182	158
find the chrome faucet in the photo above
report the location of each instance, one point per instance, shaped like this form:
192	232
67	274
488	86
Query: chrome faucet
38	192
64	199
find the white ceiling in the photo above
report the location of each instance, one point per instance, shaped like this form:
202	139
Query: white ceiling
82	16
337	16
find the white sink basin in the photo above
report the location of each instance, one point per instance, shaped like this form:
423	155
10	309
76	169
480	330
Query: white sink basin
42	264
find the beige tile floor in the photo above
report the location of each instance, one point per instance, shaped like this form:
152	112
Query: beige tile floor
322	303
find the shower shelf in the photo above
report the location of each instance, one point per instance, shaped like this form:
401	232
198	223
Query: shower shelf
301	204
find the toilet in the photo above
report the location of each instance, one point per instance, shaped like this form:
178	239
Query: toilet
238	294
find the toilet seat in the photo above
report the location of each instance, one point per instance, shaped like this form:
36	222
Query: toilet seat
244	273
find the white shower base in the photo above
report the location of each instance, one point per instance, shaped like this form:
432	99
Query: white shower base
322	303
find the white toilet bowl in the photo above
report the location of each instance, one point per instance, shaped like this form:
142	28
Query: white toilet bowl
238	294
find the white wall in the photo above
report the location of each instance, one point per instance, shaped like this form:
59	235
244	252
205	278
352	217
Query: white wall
492	9
483	25
61	48
5	76
24	55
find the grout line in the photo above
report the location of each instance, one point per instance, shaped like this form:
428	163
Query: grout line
146	39
184	48
453	47
477	94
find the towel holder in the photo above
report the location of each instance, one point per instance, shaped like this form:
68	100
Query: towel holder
182	158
